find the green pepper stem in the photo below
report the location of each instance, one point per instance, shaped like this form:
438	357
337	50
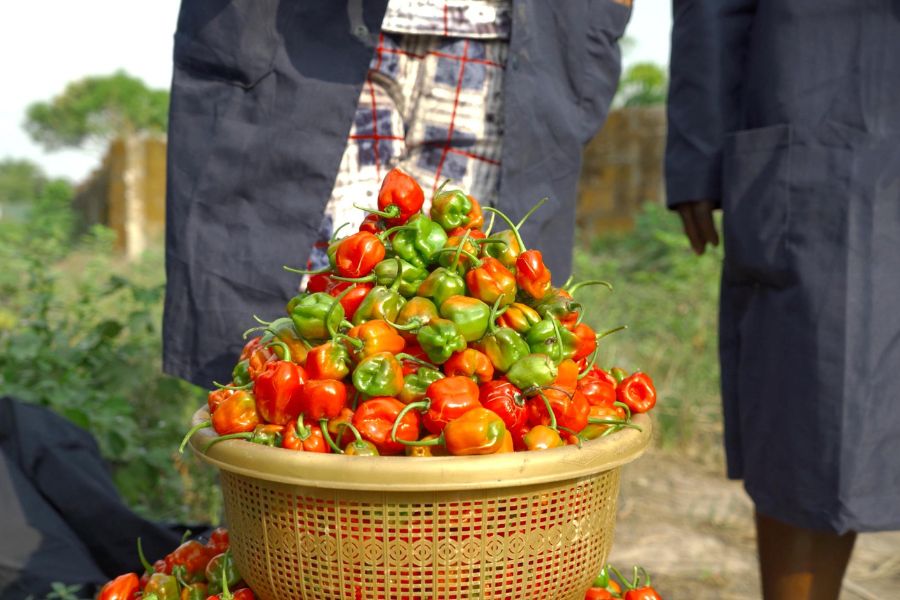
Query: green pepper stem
388	232
646	576
573	433
401	356
621	578
626	407
423	404
327	437
558	346
337	301
459	249
530	212
581	284
354	431
284	348
509	222
306	271
488	241
191	433
386	214
334	236
558	389
496	311
618	422
356	343
440	189
590	364
365	279
303	432
490	227
252	329
414	323
222	386
395	285
553	425
231	436
144	562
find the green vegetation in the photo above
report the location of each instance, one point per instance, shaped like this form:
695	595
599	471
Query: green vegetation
642	84
80	334
668	298
96	109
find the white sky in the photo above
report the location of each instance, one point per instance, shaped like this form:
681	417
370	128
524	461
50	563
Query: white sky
48	43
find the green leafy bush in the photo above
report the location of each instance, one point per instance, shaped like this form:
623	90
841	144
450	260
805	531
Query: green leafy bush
668	298
80	334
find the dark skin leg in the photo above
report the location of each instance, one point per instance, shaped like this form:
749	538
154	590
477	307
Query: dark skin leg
801	564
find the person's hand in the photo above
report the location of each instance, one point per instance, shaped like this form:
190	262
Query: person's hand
697	218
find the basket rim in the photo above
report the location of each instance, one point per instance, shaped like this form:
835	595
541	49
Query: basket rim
437	473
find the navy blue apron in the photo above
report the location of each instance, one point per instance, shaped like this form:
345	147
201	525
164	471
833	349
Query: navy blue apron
797	134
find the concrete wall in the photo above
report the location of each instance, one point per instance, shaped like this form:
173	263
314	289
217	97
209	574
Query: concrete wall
622	169
127	192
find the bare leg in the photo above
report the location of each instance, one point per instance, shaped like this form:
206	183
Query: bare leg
801	564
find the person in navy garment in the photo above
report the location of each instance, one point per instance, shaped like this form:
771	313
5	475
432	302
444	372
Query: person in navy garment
786	116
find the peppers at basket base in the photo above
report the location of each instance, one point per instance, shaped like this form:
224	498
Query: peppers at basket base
375	418
448	399
542	437
305	438
478	431
323	399
506	400
598	387
569	409
416	384
236	414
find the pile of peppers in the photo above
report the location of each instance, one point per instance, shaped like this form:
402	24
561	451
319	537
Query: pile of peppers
610	584
195	570
428	335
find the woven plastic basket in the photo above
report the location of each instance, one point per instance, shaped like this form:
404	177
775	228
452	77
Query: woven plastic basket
518	526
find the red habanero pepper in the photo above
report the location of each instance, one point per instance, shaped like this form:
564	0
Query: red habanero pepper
506	400
218	541
353	298
475	234
475	217
279	391
318	282
323	399
192	556
598	387
489	281
569	409
400	197
250	347
634	590
600	419
587	341
123	587
373	224
532	276
477	431
470	363
375	419
445	400
236	414
305	438
258	361
598	593
216	397
358	254
637	392
413	357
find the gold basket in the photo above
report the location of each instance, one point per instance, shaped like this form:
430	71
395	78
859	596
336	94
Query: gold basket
518	526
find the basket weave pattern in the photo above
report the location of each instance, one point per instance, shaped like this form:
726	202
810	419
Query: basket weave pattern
543	542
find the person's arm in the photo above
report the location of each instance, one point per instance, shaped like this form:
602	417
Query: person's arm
709	43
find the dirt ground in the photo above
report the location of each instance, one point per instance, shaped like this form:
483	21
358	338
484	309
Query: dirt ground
692	529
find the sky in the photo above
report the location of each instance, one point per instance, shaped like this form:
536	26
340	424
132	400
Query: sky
47	43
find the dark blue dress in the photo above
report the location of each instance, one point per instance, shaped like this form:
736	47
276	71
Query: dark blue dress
263	96
788	113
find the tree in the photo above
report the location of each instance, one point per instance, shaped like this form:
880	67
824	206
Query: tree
96	109
643	84
21	181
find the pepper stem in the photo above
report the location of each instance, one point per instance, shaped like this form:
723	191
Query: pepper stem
356	343
530	212
618	422
620	577
574	435
326	435
581	284
222	386
334	235
386	214
424	405
303	432
284	349
558	346
496	311
440	189
459	249
401	356
144	562
306	271
252	329
596	352
365	279
231	436
337	301
191	433
553	425
414	323
509	222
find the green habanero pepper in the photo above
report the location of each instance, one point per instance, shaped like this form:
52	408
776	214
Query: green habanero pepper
441	284
379	375
411	276
381	302
451	209
550	338
470	315
416	384
416	313
317	316
419	240
532	371
440	339
240	375
502	345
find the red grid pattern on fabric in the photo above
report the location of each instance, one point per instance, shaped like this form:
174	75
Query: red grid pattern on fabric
459	82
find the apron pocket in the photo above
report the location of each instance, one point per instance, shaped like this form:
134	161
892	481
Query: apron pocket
756	205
